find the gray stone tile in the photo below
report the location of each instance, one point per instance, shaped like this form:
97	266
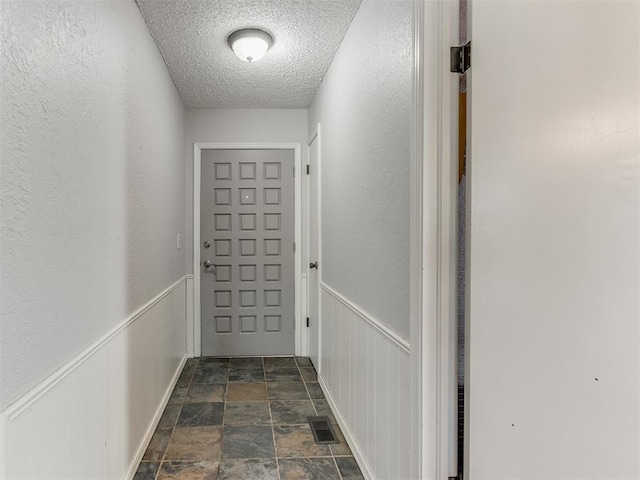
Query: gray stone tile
297	441
194	444
178	394
341	448
349	468
289	412
158	444
191	362
284	375
247	442
308	469
248	469
323	408
169	416
146	471
246	375
212	366
248	362
246	392
274	363
309	374
188	471
189	365
287	391
247	413
210	361
304	362
185	377
210	375
315	391
201	414
205	392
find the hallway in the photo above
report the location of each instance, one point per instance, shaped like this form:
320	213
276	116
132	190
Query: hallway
245	418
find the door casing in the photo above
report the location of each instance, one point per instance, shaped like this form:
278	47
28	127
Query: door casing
317	137
433	243
194	337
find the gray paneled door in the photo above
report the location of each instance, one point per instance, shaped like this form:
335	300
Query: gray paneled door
247	235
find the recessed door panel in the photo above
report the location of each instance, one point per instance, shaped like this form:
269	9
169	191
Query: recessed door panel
247	218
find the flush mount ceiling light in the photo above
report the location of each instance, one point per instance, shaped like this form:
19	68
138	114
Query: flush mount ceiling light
250	44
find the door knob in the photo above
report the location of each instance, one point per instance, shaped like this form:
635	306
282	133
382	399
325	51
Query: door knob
206	264
313	265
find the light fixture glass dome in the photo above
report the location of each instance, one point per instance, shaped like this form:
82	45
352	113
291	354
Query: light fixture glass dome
250	44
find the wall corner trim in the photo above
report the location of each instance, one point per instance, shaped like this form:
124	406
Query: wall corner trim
28	399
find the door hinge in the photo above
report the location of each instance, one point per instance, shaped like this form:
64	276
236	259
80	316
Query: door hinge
461	58
307	322
294	247
308	167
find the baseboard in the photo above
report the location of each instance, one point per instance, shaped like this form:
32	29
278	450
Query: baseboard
348	434
93	417
154	423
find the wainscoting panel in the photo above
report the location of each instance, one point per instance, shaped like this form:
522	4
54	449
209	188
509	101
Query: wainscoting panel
93	418
364	371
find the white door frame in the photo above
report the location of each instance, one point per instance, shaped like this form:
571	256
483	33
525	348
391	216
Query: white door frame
316	134
433	239
194	333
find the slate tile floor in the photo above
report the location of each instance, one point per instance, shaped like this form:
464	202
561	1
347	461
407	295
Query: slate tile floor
245	419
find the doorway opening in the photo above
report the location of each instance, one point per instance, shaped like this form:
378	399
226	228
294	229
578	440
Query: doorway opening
254	224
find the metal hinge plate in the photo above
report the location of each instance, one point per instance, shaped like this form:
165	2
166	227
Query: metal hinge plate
307	322
308	169
461	58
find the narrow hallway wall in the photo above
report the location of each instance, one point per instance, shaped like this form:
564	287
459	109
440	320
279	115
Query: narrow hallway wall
364	108
92	199
364	105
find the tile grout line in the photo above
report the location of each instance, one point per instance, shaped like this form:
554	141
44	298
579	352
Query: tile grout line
224	412
273	433
304	382
336	465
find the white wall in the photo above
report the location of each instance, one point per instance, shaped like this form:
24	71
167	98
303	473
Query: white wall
364	105
93	195
92	143
554	326
239	126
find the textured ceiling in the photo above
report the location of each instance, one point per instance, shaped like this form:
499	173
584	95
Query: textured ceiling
192	37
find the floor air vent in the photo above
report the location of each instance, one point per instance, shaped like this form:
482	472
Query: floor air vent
322	430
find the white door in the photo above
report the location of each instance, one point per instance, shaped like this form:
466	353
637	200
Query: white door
247	253
554	325
314	251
